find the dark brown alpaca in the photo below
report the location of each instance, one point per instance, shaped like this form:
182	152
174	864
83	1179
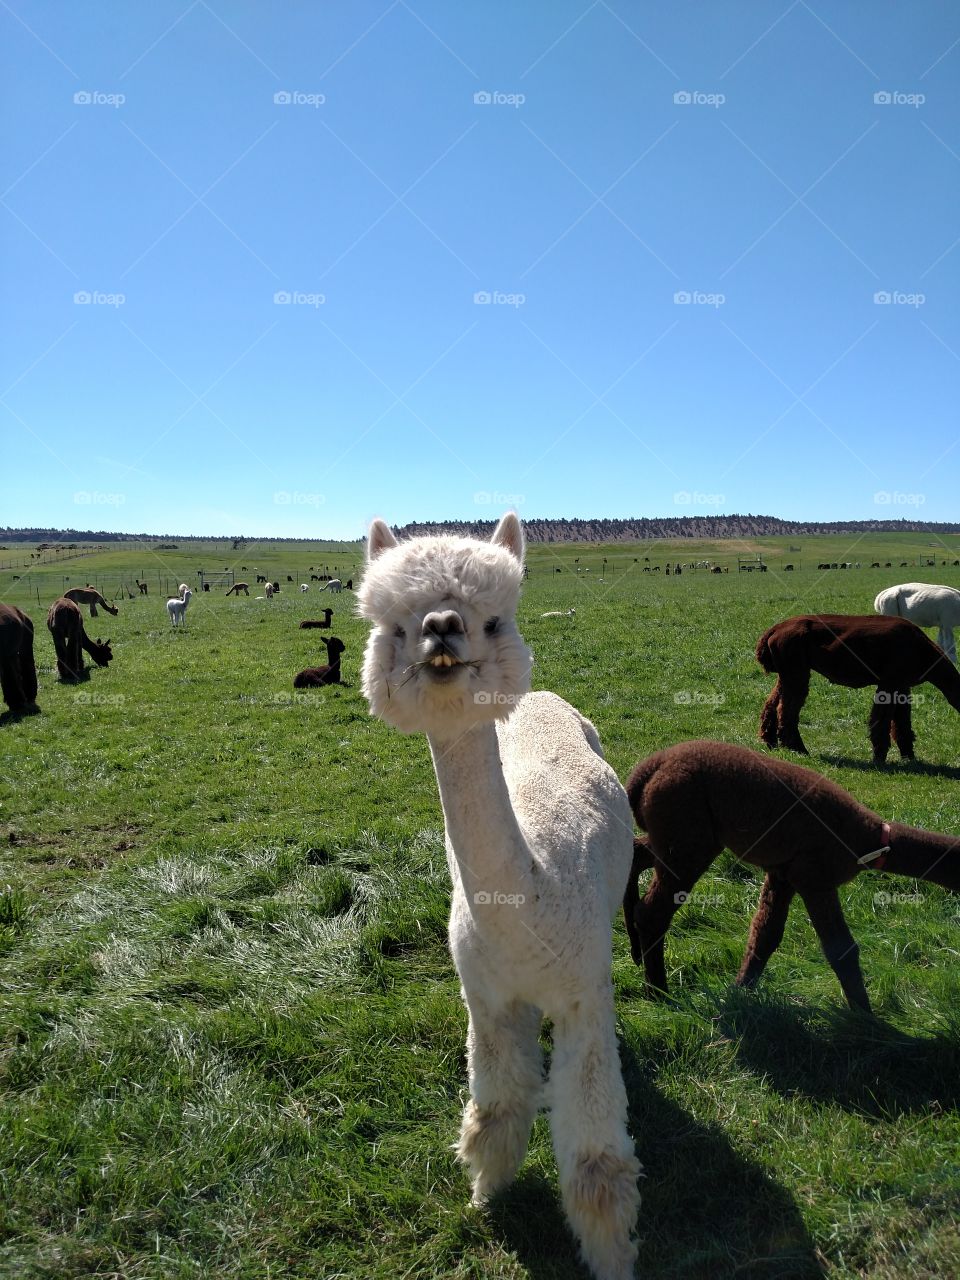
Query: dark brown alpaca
69	640
890	653
316	622
238	587
18	671
329	674
91	596
809	835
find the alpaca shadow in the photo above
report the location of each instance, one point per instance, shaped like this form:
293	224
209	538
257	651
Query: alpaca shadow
14	717
707	1211
842	1056
920	767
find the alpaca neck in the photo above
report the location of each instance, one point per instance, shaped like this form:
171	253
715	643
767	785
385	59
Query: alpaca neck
945	677
482	827
924	855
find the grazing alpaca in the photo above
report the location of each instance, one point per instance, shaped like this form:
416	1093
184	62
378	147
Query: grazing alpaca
177	607
928	606
323	624
90	596
329	674
304	587
559	613
538	847
65	623
334	585
238	587
18	671
142	586
890	653
268	590
809	835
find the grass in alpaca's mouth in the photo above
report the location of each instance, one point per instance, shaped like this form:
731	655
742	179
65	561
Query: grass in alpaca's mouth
442	666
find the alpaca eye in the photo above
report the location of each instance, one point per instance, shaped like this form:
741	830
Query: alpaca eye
399	632
490	626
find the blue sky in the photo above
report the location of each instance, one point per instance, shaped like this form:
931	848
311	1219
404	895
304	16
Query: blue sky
275	269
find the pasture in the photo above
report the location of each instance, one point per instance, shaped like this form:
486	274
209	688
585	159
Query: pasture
231	1037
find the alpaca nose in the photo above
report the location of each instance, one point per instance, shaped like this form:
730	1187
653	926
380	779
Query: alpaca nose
442	625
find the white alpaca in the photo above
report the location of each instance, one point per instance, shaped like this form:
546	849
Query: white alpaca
334	585
928	606
268	590
177	607
304	586
182	588
539	847
559	613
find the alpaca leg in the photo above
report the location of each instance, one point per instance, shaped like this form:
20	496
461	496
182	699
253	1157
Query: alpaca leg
93	609
11	685
766	928
946	642
901	726
28	667
596	1160
505	1070
793	694
839	946
669	890
769	717
881	724
642	859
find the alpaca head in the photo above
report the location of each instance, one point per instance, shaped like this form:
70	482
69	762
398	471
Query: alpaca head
335	647
101	652
444	653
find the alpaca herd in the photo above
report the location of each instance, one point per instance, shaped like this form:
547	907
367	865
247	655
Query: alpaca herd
540	839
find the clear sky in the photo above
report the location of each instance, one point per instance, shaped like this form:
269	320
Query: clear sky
285	219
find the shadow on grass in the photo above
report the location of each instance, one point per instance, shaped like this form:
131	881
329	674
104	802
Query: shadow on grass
708	1212
14	717
920	767
842	1057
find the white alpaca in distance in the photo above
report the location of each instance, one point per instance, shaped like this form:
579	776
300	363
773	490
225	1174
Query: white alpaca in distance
926	604
539	844
177	607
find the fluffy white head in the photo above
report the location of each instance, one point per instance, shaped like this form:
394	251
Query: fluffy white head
444	653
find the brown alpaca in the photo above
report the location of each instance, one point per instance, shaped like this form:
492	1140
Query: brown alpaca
18	671
238	587
316	622
142	586
890	653
69	640
91	596
330	674
809	835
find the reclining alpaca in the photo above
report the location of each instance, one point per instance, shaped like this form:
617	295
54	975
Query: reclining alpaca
927	605
18	671
809	835
238	587
65	623
177	607
330	674
538	847
891	653
322	623
92	597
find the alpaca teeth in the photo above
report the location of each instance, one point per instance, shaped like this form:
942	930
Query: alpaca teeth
442	660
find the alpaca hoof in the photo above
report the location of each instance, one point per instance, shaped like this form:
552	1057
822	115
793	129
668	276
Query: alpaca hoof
602	1202
493	1142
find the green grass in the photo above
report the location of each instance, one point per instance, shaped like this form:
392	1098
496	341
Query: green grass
231	1037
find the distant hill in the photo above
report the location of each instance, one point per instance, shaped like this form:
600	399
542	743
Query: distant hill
634	529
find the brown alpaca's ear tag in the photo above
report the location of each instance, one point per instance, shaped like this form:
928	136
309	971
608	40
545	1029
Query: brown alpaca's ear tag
380	539
509	534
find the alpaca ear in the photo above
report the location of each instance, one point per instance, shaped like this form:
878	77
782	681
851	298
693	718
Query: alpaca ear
380	539
509	534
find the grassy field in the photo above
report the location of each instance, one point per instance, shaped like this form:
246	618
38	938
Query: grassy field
231	1038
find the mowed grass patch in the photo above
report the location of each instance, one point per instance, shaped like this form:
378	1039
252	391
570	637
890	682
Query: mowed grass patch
232	1037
